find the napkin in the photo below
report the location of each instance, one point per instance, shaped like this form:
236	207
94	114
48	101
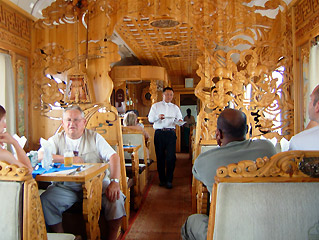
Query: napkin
21	140
179	123
47	153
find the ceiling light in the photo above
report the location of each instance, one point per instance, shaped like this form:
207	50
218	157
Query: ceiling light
164	23
169	43
172	56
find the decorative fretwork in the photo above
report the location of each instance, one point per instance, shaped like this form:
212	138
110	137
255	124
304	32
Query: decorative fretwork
33	220
92	197
246	64
12	170
15	29
284	164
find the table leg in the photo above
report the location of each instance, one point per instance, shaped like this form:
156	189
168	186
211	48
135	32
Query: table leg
92	197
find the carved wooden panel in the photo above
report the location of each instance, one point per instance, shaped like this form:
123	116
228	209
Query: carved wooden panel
15	29
21	69
306	17
244	78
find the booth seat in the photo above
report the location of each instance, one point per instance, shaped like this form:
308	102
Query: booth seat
136	137
20	206
267	199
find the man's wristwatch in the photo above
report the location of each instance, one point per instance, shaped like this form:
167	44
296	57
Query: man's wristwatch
115	180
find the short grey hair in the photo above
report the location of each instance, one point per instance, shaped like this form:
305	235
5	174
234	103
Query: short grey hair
73	107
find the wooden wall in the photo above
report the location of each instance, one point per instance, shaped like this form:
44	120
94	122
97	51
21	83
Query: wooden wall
305	18
15	40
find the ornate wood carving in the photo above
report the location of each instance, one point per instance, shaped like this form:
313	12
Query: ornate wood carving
284	164
13	171
92	205
15	29
33	219
244	79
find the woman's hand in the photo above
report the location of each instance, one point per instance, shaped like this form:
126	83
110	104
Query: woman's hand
6	138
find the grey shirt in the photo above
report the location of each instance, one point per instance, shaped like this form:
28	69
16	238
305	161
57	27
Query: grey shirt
206	164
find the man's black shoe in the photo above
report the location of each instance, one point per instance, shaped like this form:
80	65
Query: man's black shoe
162	184
169	185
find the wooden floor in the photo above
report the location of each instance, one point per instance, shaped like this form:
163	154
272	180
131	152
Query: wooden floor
164	211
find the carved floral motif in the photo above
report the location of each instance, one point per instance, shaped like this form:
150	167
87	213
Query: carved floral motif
280	165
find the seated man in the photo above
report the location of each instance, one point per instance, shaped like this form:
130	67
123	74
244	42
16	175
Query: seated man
230	135
88	146
308	139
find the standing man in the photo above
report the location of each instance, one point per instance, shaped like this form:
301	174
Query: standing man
308	139
164	115
88	147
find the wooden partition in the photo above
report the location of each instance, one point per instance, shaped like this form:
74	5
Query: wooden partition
104	119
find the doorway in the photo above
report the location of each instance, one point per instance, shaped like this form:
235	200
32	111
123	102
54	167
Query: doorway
188	101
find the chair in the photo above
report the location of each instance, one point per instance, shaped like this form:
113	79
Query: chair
104	119
21	210
136	137
200	194
267	199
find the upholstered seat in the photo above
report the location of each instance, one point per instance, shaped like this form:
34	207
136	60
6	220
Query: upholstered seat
20	206
267	199
136	137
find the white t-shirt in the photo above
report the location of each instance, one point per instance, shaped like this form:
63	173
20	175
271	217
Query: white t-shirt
307	140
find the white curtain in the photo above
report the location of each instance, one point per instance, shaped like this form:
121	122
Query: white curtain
7	92
313	74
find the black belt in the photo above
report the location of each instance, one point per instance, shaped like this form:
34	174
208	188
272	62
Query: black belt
166	129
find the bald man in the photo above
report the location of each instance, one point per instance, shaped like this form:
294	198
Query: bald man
308	139
231	137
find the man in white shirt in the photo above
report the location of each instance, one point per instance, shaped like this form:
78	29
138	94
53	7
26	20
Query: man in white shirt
88	146
164	115
308	139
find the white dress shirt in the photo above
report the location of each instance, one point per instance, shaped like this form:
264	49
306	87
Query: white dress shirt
171	113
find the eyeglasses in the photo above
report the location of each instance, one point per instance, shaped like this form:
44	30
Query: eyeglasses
75	120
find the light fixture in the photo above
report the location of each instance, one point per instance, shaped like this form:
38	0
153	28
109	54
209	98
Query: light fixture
172	55
164	22
169	43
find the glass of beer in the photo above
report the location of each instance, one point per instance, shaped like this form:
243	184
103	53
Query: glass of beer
68	158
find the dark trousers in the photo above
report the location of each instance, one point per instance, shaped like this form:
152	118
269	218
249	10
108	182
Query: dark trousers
165	148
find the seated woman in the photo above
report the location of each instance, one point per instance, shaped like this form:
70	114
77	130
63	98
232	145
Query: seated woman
23	160
130	120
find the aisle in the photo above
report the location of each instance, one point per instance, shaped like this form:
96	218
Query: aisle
164	211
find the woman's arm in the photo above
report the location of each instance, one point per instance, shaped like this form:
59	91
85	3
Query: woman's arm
22	159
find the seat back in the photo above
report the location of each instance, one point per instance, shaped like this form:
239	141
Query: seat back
267	199
103	118
134	137
21	211
200	194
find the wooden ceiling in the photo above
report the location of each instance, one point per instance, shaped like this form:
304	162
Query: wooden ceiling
173	48
220	24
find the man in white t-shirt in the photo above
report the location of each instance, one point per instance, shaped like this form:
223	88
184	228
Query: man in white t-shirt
308	139
88	146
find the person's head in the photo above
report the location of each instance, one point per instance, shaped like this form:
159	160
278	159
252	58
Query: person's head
189	111
231	126
3	124
313	108
168	94
73	122
130	119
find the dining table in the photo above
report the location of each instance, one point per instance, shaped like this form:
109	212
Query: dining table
90	175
